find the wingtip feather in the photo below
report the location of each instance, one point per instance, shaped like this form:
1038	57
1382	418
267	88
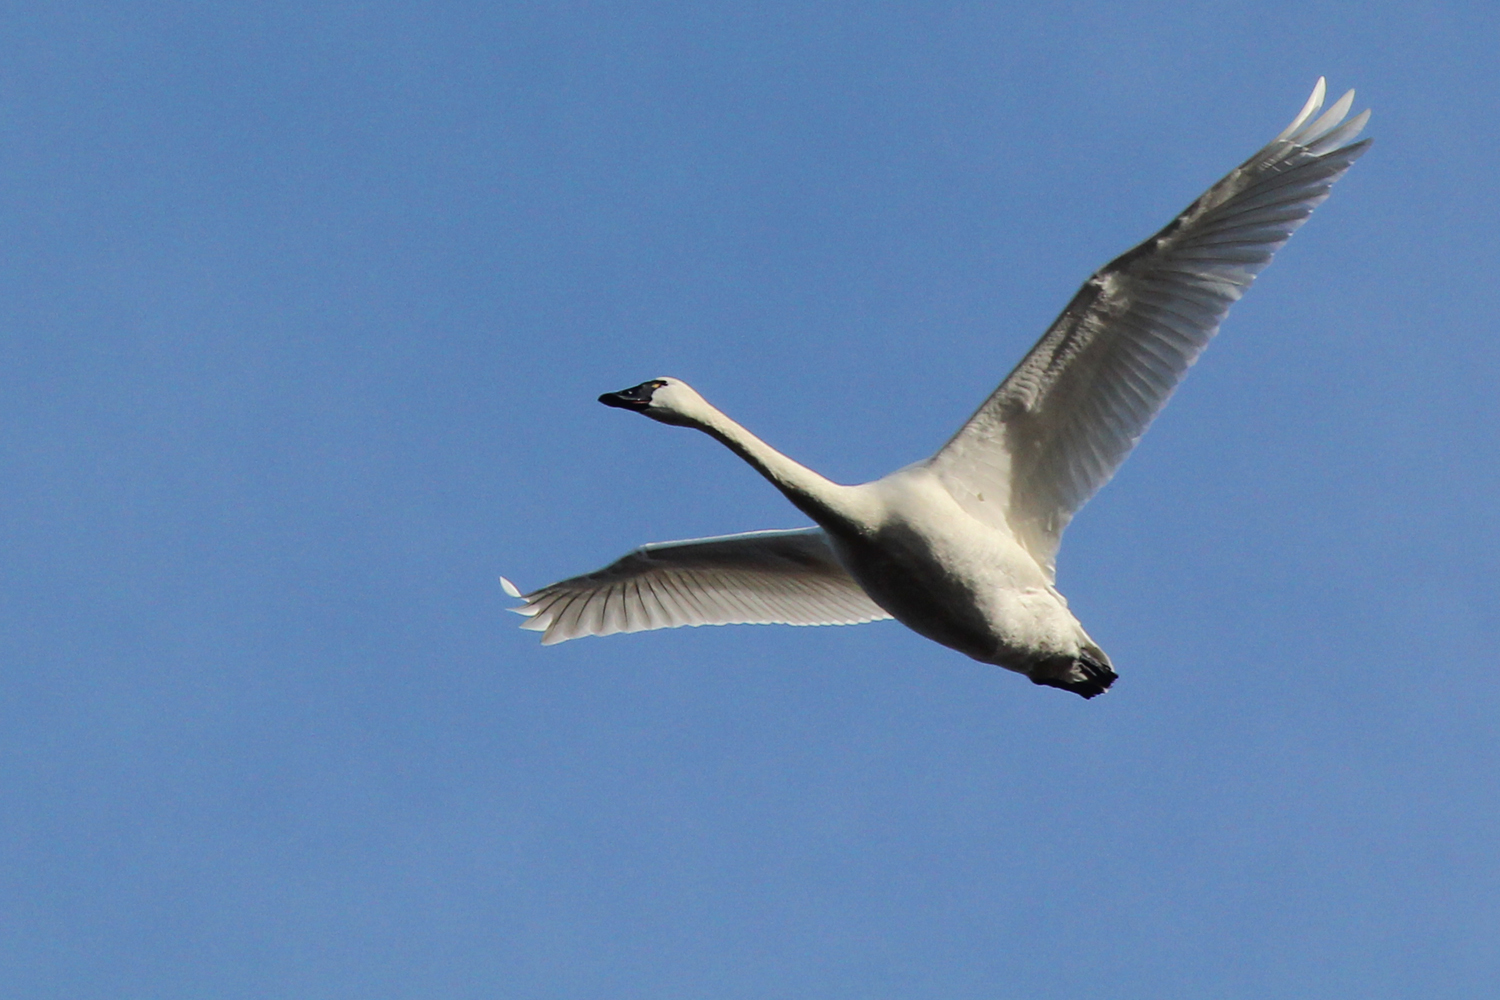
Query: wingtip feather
1342	136
1326	123
1314	102
510	588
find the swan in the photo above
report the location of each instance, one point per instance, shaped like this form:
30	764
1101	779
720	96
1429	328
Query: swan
962	547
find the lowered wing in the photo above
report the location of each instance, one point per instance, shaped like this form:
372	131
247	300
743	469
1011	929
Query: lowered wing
1060	425
761	577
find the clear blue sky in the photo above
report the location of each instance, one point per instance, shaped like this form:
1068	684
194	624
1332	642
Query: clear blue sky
305	307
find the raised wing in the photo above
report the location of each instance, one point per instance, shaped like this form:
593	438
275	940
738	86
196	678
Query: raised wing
761	578
1060	425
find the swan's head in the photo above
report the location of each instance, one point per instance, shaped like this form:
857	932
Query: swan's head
669	400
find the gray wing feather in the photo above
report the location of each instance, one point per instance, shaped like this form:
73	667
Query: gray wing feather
1060	425
761	577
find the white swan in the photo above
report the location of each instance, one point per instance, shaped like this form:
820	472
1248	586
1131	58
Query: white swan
961	547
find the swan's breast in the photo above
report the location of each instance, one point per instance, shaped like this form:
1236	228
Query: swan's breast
952	578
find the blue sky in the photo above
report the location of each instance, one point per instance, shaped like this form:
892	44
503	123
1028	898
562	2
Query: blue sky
305	307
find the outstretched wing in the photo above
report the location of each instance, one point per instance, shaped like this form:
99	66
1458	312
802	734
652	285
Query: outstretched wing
1060	425
761	577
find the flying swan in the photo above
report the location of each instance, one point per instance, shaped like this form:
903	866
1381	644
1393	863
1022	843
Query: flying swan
961	547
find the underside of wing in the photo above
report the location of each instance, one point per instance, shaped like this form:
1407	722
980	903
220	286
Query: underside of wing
1060	425
759	578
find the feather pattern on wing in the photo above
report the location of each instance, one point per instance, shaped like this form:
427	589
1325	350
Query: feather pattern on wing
1060	425
761	578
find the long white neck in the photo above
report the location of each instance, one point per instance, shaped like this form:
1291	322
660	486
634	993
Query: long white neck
833	506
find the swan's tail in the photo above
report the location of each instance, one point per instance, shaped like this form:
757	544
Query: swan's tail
1087	674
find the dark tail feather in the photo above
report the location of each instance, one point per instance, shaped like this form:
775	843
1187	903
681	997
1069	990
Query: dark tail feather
1088	675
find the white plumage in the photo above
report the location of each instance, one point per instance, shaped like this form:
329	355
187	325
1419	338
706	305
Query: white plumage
757	578
962	547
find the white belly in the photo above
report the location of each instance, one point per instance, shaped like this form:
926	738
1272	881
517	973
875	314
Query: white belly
955	580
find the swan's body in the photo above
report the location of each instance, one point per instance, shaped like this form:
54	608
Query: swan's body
960	583
961	547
